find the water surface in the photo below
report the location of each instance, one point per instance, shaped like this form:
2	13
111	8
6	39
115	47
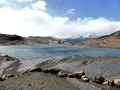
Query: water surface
45	51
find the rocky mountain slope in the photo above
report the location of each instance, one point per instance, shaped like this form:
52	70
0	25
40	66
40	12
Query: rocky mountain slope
107	41
6	39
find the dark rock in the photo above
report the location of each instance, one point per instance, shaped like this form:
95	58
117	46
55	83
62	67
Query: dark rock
36	70
99	79
7	57
1	79
45	70
52	71
30	85
10	76
71	76
111	83
62	74
76	74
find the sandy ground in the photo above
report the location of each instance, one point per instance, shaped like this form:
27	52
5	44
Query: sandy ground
37	81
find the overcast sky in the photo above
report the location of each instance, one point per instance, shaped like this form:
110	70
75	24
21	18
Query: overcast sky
59	18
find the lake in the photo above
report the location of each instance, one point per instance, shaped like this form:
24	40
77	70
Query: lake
46	51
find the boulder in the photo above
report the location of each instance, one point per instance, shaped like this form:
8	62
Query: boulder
10	76
52	71
45	70
99	79
36	70
76	74
62	74
7	57
1	79
105	82
111	83
4	77
116	82
85	78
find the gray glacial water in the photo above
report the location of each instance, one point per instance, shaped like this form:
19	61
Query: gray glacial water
45	51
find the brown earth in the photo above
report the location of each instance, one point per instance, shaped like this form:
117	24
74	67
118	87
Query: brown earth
107	41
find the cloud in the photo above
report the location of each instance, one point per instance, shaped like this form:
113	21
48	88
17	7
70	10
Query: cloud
36	21
70	11
2	1
24	0
40	5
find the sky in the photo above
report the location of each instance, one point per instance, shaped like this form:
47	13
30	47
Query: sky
59	18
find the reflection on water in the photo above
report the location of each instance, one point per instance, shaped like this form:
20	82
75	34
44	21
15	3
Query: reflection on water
45	51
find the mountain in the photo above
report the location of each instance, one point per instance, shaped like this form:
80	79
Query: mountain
43	40
75	40
107	41
6	39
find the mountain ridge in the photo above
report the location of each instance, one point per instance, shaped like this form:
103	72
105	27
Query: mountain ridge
106	41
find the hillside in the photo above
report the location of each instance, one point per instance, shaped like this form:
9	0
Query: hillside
107	41
43	40
6	39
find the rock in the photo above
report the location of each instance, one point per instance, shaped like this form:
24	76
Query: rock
45	70
71	76
7	57
111	83
116	82
62	74
10	76
76	74
105	82
1	79
85	78
30	85
52	71
3	55
4	77
36	70
99	79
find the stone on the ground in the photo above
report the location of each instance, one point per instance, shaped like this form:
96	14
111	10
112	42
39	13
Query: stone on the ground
4	76
116	82
62	74
36	70
10	76
76	74
105	82
52	71
99	79
85	78
111	83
